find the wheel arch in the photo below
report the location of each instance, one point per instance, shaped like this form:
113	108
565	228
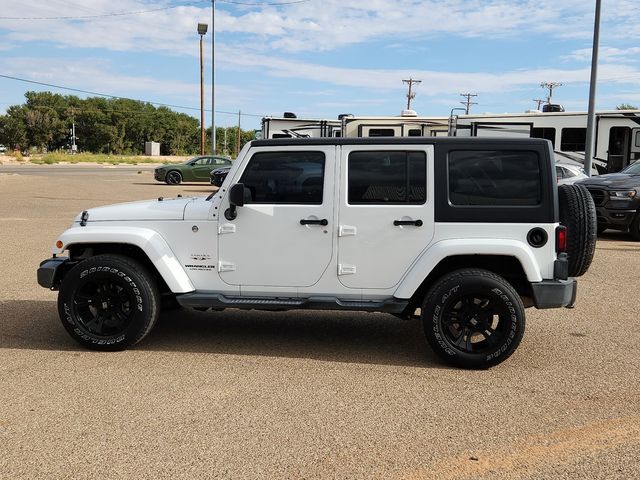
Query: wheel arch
144	245
507	266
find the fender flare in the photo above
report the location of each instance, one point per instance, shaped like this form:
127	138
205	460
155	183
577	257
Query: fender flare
149	241
431	257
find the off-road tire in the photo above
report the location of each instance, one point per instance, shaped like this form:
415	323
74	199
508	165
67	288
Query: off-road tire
173	177
457	310
108	302
578	214
634	228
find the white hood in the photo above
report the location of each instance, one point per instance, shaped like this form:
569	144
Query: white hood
169	209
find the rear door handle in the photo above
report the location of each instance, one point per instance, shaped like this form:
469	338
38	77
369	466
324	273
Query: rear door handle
415	223
324	222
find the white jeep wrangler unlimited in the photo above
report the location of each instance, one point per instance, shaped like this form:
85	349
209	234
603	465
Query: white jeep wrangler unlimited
462	233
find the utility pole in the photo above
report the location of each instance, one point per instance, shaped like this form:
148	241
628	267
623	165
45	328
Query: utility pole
591	117
225	141
202	30
539	102
238	139
411	95
550	86
213	77
74	147
467	104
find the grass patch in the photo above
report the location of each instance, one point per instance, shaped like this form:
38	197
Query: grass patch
57	157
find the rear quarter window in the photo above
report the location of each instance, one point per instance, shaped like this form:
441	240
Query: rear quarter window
494	178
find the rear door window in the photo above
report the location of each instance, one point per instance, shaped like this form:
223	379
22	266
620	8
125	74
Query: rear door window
393	177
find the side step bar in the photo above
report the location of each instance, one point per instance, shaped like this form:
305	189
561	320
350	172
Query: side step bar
216	300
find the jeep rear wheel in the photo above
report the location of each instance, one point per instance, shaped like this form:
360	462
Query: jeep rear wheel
578	214
108	302
473	318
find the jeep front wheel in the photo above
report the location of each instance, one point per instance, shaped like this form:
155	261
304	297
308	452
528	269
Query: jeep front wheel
473	318
108	302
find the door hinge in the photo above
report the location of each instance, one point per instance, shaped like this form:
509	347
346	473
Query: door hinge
227	228
347	231
226	266
344	269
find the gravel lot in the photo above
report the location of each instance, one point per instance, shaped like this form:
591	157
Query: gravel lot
302	395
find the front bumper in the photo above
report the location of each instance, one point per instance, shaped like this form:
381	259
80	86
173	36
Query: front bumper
51	272
615	218
159	176
555	293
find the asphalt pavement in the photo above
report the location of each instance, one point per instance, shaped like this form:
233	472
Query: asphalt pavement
308	394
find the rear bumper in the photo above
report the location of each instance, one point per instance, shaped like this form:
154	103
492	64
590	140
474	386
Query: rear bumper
51	272
555	293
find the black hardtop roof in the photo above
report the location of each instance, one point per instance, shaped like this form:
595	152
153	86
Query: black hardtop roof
476	141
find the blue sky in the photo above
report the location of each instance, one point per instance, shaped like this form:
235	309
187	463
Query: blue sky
320	58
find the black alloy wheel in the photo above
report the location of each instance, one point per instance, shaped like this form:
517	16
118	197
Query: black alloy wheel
108	302
473	318
103	306
173	177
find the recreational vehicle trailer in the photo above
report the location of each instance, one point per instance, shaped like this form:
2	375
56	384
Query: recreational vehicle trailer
408	124
617	133
292	127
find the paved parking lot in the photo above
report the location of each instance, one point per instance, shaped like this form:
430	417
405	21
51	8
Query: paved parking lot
302	395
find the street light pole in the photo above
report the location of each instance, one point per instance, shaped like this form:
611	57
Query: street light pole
591	118
202	30
213	77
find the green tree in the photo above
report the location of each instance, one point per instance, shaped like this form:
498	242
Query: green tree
626	106
13	131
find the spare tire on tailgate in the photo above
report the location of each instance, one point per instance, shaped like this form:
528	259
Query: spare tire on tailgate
578	214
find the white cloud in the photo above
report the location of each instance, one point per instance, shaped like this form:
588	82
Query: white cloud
605	54
318	25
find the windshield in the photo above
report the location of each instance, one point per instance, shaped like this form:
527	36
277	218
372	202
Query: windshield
633	168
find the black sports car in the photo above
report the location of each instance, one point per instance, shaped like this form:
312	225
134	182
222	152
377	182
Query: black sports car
218	175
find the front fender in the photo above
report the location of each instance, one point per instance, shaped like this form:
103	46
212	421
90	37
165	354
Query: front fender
149	241
450	248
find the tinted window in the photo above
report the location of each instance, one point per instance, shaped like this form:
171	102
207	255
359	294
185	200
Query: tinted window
285	177
546	133
387	177
415	132
487	178
382	132
573	139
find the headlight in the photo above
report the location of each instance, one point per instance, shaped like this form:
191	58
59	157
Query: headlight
622	194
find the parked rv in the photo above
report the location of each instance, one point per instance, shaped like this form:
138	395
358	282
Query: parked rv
617	132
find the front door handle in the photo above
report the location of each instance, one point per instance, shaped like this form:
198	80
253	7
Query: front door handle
415	223
324	222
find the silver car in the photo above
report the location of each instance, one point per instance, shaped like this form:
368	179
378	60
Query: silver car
569	173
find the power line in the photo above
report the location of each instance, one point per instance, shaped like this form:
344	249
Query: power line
88	92
152	10
98	15
262	3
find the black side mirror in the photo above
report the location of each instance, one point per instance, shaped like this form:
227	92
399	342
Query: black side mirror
238	194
